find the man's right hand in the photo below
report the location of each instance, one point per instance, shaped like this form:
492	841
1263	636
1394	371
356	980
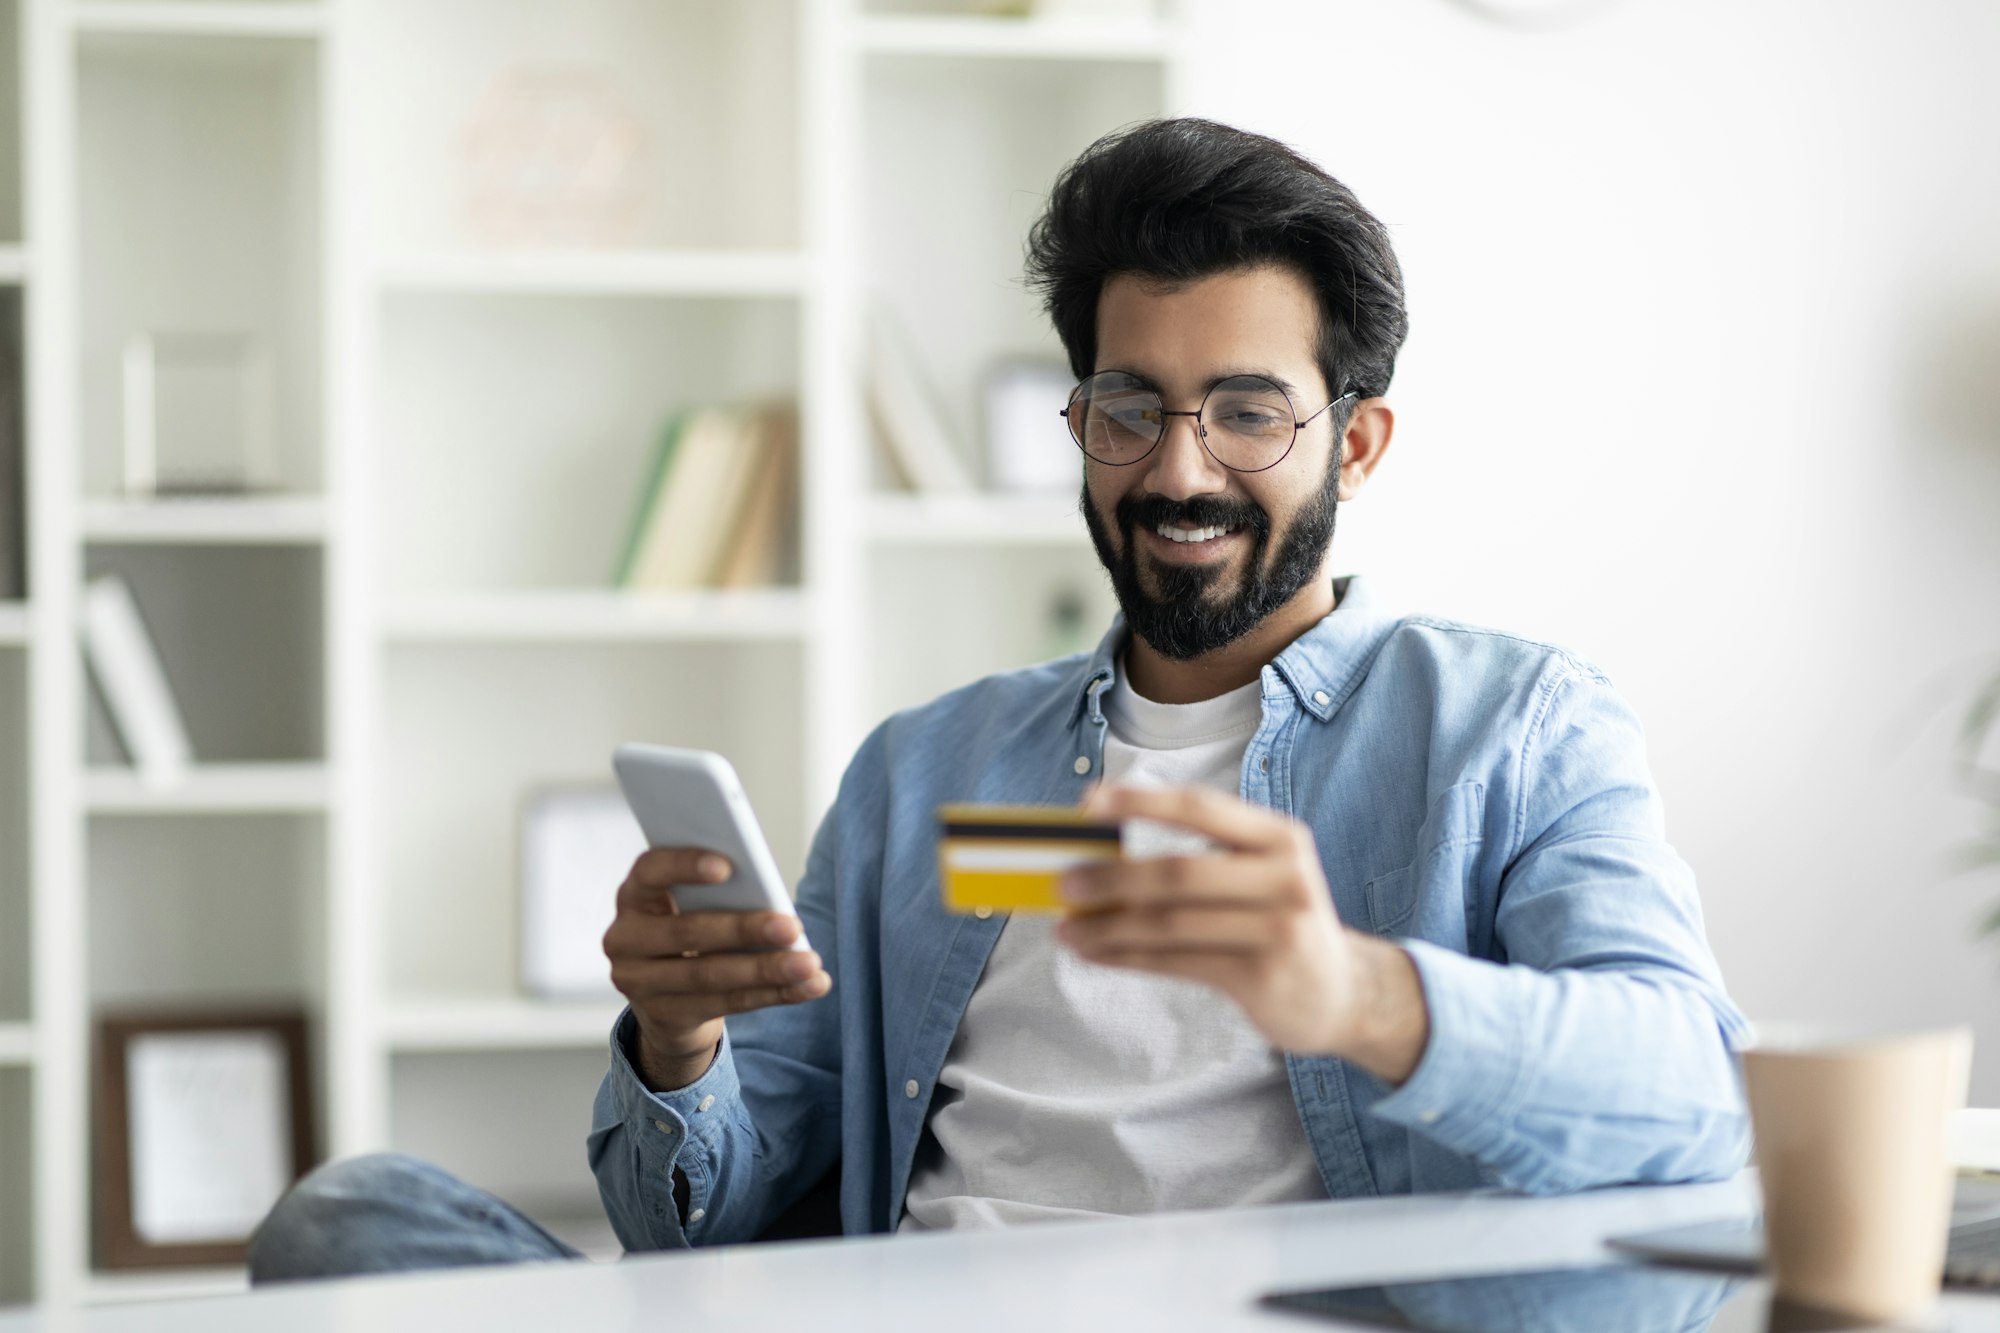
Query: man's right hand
682	971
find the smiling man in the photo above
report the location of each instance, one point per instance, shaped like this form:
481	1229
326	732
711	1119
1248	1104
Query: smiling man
1398	913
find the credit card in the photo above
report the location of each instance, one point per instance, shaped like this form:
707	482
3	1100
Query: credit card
1008	857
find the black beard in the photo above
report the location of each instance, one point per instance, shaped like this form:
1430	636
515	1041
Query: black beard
1180	624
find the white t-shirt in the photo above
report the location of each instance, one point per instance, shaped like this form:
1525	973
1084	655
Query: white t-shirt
1073	1089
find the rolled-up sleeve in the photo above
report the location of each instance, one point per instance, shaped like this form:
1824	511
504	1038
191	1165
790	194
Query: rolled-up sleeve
1596	1048
755	1131
639	1138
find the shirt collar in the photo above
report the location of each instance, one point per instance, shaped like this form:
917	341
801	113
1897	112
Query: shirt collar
1321	666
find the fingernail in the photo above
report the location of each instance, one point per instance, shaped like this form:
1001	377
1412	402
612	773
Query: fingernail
714	867
801	967
780	930
1075	888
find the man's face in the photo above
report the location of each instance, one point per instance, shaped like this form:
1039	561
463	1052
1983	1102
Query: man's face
1187	598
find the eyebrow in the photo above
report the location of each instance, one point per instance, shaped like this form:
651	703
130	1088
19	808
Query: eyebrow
1291	389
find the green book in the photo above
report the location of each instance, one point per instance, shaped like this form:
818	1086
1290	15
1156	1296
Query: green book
650	495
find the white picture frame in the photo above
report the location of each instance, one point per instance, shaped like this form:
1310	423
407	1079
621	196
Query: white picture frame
577	845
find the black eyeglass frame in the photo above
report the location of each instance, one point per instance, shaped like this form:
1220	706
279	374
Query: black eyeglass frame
1200	426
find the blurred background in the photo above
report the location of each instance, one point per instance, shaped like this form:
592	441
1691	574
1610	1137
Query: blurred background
402	402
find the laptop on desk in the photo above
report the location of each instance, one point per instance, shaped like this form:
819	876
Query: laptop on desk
1736	1244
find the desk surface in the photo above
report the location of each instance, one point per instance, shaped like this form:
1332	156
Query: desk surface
1197	1271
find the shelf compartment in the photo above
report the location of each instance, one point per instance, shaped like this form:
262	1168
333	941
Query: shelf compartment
17	1044
967	149
17	1185
16	625
239	630
260	521
16	923
599	617
499	1024
211	789
195	19
469	732
227	910
1008	38
975	520
534	488
700	100
1013	623
599	273
231	242
13	109
14	264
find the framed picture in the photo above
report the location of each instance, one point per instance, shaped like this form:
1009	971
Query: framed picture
577	845
202	1123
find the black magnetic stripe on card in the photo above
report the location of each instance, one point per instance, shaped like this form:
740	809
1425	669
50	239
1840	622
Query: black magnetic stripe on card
1041	832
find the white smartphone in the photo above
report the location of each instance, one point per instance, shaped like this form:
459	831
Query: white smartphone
691	798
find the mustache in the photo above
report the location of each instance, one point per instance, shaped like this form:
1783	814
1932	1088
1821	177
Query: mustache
1201	511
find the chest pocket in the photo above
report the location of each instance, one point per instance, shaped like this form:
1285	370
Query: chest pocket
1438	877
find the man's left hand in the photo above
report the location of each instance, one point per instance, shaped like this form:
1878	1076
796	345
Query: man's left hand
1255	920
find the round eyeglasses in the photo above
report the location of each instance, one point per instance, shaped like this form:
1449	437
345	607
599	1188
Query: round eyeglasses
1246	422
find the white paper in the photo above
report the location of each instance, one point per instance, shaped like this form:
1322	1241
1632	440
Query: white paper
210	1121
576	849
1028	445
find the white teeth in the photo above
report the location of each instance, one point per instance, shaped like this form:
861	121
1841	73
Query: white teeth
1190	534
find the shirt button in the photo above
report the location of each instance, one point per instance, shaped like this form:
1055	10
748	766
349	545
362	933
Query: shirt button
1082	764
911	1089
1430	1117
663	1127
1265	763
706	1102
1322	698
982	912
697	1214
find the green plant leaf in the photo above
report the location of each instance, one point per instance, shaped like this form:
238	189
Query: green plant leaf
1990	923
1973	733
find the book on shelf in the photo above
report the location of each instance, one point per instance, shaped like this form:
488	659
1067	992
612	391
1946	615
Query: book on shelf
913	431
133	683
763	549
716	509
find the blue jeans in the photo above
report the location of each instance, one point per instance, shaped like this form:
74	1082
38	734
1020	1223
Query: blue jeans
387	1213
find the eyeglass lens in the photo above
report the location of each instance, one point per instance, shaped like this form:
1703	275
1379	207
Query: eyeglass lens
1247	422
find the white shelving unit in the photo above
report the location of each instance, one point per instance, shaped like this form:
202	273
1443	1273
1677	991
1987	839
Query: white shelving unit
379	663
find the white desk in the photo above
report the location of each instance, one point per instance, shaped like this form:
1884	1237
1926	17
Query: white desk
1195	1271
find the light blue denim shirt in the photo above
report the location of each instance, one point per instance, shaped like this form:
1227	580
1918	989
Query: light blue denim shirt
1479	798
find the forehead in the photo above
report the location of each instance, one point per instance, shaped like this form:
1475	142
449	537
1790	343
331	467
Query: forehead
1252	318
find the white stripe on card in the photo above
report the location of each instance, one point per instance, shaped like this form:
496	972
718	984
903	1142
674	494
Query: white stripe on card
1022	858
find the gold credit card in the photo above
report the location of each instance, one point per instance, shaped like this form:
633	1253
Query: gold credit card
1008	857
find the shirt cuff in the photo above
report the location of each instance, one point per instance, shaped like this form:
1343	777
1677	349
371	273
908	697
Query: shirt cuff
1465	1086
682	1128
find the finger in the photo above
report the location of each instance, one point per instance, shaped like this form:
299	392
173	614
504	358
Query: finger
643	934
716	974
1227	819
691	1010
1194	929
1213	878
649	885
1225	972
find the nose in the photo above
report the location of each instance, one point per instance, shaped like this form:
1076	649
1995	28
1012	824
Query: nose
1180	465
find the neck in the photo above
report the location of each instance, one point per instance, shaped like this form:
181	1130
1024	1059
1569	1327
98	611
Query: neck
1166	681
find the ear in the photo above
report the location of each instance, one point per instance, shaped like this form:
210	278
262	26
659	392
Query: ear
1366	440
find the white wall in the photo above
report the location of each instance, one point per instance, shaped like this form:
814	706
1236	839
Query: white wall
1704	383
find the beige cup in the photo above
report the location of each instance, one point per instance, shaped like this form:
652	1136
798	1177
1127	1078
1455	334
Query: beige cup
1854	1152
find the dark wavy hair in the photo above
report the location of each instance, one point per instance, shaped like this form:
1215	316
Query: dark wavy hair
1182	199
